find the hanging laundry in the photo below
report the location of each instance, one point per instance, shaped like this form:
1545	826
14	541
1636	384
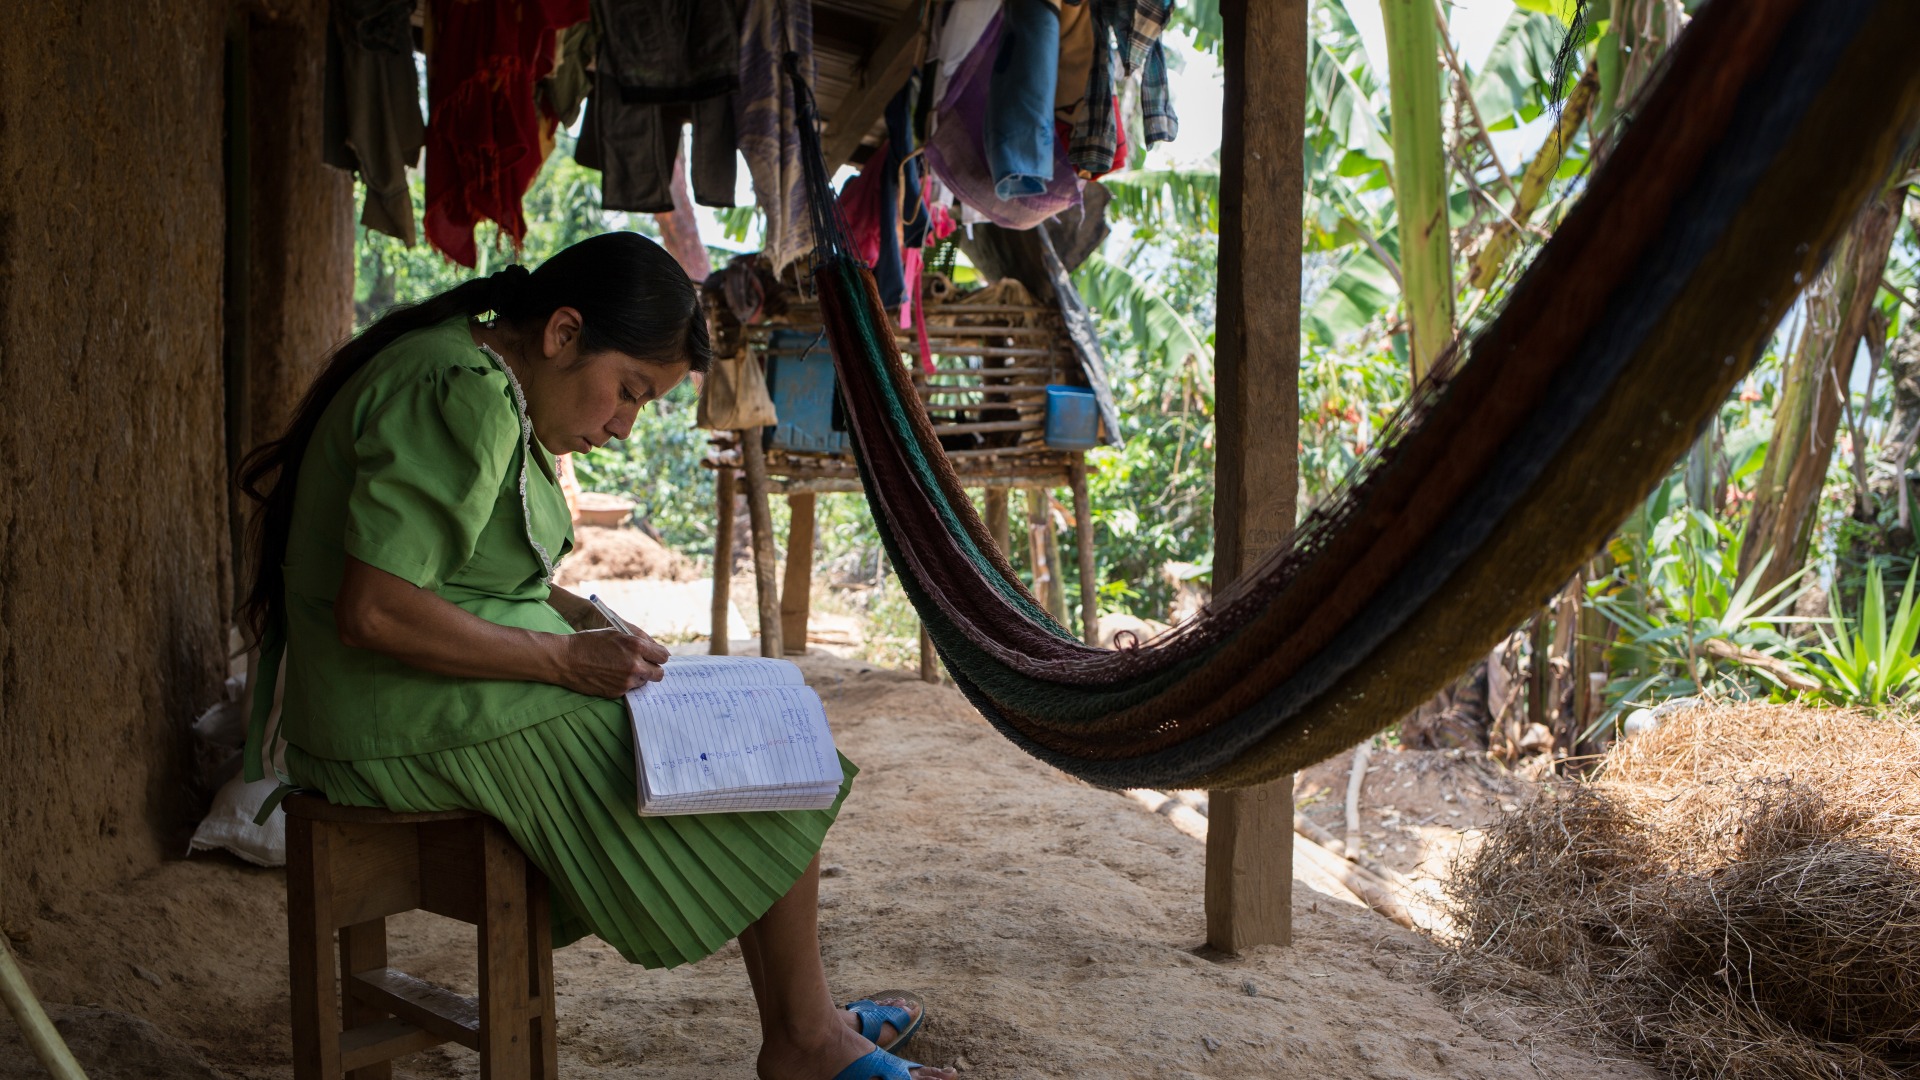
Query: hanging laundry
662	64
767	123
860	205
1098	144
372	122
1020	99
1076	58
562	93
956	151
483	133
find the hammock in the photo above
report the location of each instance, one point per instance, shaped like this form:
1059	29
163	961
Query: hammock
1775	121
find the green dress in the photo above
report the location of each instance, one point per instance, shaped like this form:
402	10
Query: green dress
424	466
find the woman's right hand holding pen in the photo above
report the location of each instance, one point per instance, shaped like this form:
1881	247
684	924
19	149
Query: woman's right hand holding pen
608	663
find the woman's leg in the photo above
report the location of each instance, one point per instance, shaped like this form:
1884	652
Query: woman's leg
803	1035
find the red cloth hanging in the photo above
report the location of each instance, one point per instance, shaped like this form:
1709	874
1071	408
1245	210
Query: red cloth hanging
483	131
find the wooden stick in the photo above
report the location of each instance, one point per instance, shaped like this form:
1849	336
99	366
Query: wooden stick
1721	649
760	518
1083	538
41	1035
796	596
929	659
720	627
1356	777
998	520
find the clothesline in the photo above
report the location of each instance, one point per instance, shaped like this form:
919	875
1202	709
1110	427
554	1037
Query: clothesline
1012	107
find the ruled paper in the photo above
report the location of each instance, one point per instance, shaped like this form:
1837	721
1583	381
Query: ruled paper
732	733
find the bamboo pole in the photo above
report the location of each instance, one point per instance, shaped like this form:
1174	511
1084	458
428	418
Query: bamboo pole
42	1037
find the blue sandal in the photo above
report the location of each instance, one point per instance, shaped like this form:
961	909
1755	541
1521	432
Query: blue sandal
904	1021
878	1065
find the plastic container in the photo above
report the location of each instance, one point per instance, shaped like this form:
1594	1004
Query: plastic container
800	379
1073	418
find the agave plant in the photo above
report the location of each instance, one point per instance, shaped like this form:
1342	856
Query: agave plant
1869	660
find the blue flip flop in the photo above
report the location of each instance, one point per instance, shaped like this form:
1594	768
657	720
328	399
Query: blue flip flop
878	1065
873	1015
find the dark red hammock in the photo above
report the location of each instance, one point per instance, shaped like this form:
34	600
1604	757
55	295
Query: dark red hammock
1775	121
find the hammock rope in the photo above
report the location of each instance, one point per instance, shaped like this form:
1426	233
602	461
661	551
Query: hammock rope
1775	121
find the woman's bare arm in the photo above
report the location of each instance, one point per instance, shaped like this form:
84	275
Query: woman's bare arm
380	612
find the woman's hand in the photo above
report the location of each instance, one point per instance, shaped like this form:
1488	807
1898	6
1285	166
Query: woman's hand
576	609
608	663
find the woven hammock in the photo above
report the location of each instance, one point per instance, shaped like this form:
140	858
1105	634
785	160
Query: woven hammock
1775	121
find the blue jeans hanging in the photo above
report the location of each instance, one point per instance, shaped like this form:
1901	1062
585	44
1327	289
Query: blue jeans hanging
1020	99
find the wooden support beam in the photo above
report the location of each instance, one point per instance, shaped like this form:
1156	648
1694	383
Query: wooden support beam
760	518
720	627
1256	372
1043	547
998	524
884	73
1083	537
796	597
929	659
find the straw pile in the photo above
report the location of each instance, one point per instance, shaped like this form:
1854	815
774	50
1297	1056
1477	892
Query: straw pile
1736	895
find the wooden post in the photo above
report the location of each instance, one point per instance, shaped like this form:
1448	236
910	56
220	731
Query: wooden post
997	520
929	659
717	643
1256	398
1044	547
760	519
796	596
1083	536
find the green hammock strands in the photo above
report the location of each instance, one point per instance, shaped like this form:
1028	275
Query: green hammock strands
1776	121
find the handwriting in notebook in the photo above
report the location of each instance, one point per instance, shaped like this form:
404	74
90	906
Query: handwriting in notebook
732	733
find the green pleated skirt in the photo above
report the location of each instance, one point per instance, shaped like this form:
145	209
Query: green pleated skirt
662	890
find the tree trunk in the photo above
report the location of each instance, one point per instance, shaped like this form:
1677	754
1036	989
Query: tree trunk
1813	392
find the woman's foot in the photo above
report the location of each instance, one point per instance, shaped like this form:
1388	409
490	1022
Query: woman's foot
823	1059
888	1032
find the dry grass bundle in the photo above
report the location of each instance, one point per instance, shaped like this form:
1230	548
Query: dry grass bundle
1736	895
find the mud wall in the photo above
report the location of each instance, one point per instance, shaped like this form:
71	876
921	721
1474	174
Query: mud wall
115	571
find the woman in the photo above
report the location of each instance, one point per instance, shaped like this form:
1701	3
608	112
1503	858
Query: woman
411	520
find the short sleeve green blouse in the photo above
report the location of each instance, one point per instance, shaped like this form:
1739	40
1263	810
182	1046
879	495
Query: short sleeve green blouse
424	466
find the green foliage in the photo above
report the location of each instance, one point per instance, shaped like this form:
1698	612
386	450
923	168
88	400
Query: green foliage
1675	589
1153	496
1869	660
1162	333
658	466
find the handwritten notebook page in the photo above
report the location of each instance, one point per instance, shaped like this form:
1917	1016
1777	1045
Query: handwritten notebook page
722	734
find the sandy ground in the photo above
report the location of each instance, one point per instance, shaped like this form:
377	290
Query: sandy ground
1055	930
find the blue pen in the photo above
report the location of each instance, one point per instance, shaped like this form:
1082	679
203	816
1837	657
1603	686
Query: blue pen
617	622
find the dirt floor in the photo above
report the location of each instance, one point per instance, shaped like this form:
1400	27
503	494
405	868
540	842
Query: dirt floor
1055	930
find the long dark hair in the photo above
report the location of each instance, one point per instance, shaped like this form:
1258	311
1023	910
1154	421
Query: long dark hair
632	297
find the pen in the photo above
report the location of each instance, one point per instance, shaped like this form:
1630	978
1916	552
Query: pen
616	621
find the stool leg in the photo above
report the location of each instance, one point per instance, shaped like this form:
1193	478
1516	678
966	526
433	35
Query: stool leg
362	948
316	1003
546	1048
506	1051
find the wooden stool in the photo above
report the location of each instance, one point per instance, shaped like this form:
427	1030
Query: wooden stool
348	869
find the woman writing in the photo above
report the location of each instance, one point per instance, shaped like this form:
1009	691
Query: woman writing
411	520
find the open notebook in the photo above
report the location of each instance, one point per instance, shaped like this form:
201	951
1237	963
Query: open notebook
726	733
